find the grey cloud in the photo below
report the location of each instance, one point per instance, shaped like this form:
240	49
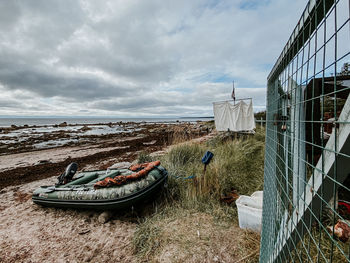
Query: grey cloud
145	54
9	14
178	103
6	103
47	84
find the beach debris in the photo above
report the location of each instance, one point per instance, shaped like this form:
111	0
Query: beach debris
341	230
44	161
105	217
84	231
230	197
149	143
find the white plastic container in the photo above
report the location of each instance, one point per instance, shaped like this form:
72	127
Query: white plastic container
250	211
258	194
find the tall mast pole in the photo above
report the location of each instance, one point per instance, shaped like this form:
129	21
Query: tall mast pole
233	92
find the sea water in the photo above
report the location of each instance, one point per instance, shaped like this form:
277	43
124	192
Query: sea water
40	121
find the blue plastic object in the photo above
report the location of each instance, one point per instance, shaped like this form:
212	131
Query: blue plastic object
207	157
185	178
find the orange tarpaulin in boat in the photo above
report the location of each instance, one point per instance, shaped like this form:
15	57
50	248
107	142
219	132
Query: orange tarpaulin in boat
123	179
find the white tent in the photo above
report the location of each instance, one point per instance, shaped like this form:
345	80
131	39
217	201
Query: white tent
238	117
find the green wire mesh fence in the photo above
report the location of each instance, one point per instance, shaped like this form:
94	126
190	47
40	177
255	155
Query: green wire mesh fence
307	158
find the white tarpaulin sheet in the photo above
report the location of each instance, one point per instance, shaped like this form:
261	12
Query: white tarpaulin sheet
239	117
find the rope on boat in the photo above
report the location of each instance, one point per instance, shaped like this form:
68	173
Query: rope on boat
123	179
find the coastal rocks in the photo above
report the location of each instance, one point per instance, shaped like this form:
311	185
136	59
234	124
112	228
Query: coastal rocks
105	217
43	161
3	147
85	128
63	124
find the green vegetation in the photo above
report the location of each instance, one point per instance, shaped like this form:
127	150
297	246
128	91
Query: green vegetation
144	157
190	204
260	115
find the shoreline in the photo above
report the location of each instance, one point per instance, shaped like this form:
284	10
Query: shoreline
7	122
20	165
27	138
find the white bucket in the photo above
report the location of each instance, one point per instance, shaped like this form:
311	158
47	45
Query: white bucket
250	211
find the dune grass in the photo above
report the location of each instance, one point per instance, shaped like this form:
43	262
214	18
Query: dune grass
237	163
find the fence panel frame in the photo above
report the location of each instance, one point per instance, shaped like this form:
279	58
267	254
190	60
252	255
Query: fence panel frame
299	184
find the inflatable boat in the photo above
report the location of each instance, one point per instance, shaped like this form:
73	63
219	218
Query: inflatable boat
112	189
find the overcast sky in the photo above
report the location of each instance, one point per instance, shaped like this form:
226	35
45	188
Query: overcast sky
134	58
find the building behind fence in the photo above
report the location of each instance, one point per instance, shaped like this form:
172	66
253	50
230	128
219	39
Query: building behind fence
307	158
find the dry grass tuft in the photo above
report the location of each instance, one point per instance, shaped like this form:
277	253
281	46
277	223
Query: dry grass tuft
184	235
320	249
180	134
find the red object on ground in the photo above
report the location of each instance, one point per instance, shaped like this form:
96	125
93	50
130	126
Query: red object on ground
231	197
344	208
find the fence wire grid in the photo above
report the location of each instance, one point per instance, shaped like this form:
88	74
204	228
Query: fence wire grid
306	204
